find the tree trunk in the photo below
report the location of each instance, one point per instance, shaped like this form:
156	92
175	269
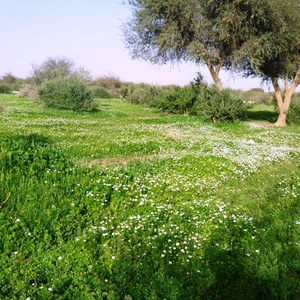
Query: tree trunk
283	104
214	72
216	79
283	109
219	84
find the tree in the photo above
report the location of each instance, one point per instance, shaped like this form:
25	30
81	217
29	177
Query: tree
82	74
175	30
270	45
9	79
52	68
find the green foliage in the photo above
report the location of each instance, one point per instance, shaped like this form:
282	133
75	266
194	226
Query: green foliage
5	89
31	154
202	100
9	79
189	30
179	101
67	93
142	94
254	96
218	105
110	84
52	68
294	112
101	93
213	213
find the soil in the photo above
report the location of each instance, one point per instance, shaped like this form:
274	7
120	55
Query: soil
261	124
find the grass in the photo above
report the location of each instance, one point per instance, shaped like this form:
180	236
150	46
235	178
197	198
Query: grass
128	203
262	112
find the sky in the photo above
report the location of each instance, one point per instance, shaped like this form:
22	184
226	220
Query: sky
89	32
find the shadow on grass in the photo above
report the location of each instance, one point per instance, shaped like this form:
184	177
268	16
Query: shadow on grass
260	115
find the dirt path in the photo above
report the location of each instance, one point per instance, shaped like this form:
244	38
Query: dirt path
260	124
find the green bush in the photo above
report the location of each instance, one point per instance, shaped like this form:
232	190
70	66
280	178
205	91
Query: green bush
294	112
218	105
179	101
4	89
67	93
143	94
110	84
100	92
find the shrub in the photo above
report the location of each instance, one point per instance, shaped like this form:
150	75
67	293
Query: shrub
294	112
143	94
4	89
110	84
179	101
101	93
218	105
29	91
9	79
67	93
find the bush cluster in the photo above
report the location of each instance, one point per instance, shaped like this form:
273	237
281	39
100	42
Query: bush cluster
67	93
204	101
111	85
5	89
218	105
254	96
179	101
100	92
30	91
142	94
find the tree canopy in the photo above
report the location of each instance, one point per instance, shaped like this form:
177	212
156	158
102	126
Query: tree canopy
52	68
270	47
175	30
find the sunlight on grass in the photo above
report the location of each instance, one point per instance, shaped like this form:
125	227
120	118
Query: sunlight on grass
128	203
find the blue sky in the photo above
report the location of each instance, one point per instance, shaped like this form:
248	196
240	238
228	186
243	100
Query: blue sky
88	32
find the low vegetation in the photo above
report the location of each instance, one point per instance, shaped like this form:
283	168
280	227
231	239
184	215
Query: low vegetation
67	93
128	203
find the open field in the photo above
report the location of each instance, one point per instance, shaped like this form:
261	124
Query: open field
128	203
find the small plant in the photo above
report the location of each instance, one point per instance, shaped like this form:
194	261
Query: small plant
67	93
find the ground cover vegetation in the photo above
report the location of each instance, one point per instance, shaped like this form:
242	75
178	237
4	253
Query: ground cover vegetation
126	202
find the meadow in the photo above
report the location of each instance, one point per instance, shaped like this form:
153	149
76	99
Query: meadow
129	203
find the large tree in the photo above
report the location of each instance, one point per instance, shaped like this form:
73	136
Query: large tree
187	30
270	45
52	68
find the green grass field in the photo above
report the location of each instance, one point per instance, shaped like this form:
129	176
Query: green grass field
129	203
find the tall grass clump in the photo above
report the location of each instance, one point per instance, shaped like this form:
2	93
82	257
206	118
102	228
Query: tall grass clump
67	93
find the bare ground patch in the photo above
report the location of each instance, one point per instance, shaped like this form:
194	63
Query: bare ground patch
259	124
